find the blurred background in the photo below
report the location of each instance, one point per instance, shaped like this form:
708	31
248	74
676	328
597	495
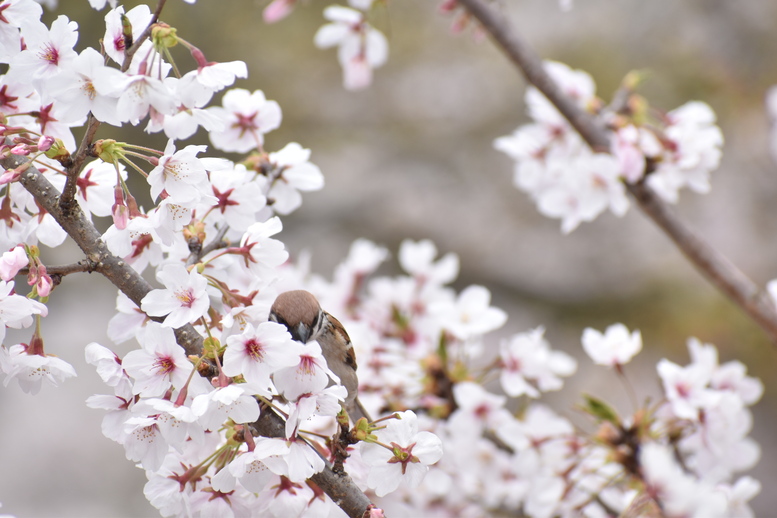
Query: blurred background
412	157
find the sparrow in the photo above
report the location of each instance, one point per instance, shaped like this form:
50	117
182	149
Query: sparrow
302	315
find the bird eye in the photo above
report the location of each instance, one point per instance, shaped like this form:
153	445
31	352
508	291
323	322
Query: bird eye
315	320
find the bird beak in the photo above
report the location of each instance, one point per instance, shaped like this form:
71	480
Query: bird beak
301	333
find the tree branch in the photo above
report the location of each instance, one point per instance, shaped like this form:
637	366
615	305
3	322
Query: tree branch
712	264
340	488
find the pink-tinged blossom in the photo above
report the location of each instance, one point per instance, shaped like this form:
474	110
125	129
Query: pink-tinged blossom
249	468
238	197
183	300
215	407
295	173
626	150
308	375
478	410
144	442
175	422
113	40
324	403
95	186
584	186
79	89
48	52
181	174
108	364
260	253
159	365
691	151
678	493
17	311
687	389
530	366
615	347
471	314
30	370
247	117
259	352
731	376
719	446
16	14
217	76
138	94
739	495
277	10
408	460
183	123
418	259
575	84
299	464
13	261
50	120
361	47
117	409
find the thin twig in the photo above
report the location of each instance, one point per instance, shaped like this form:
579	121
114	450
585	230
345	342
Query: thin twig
84	265
712	264
78	159
339	486
143	36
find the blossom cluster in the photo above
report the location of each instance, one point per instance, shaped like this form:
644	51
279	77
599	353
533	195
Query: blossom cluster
360	46
442	443
424	347
570	182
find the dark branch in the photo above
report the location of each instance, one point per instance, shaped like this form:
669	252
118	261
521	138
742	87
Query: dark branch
713	265
84	265
339	486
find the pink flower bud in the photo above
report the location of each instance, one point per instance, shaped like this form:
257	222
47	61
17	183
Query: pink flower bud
45	142
277	10
20	149
11	262
45	284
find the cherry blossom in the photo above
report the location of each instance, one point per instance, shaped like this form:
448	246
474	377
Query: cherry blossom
49	51
17	311
13	261
361	47
249	467
417	259
471	314
259	352
86	87
529	366
181	174
160	364
295	173
113	40
308	375
232	402
614	347
408	458
108	364
29	370
260	252
183	300
247	117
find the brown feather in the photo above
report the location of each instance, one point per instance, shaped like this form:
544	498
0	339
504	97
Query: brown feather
295	307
